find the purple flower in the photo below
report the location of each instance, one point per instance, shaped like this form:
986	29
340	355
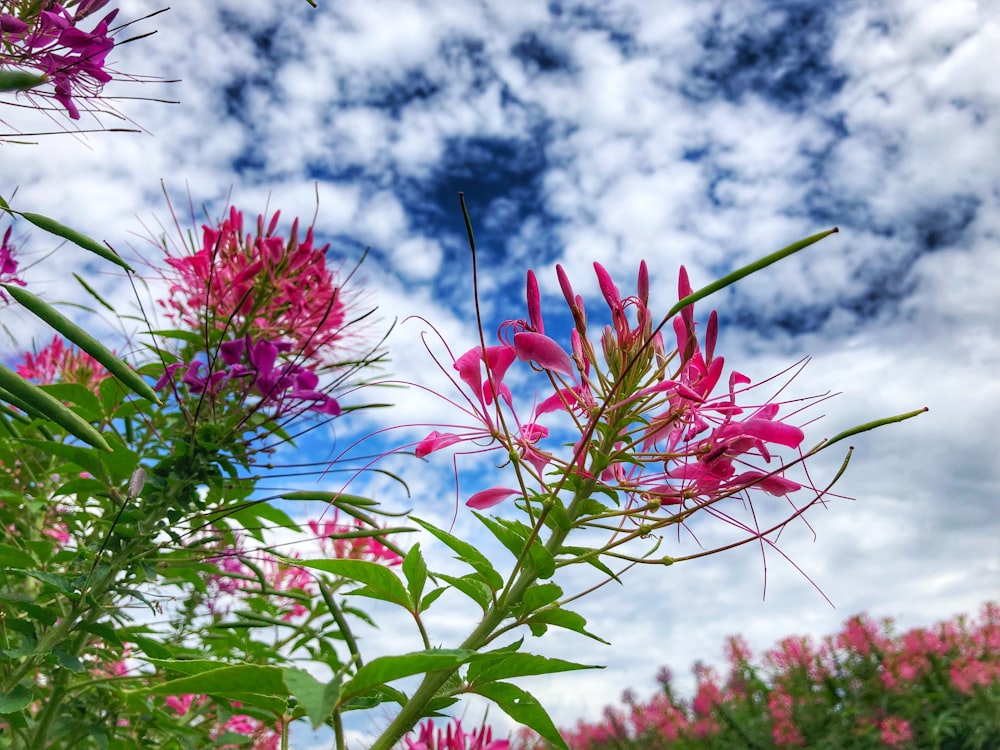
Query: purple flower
8	266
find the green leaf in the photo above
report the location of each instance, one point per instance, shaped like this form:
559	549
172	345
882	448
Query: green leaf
520	665
415	570
508	538
563	618
388	668
432	597
249	516
514	535
376	696
104	631
68	661
317	699
467	554
523	708
539	595
380	582
83	457
472	585
591	559
15	700
225	680
13	557
80	240
51	408
64	584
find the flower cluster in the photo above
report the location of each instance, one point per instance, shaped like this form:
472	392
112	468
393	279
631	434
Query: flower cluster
650	427
260	284
240	570
245	365
46	38
454	738
351	542
863	687
59	363
261	736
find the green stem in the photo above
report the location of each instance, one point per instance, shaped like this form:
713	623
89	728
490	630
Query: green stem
413	711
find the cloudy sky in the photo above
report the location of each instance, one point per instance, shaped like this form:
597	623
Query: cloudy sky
698	133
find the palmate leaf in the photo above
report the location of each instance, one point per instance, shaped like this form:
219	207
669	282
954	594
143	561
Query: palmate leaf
472	585
514	535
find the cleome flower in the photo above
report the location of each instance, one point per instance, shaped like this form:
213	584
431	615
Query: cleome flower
651	427
59	363
47	39
245	366
454	738
260	285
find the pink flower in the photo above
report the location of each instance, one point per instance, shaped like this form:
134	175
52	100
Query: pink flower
261	284
58	363
895	731
283	386
454	738
351	547
488	498
180	703
8	266
50	42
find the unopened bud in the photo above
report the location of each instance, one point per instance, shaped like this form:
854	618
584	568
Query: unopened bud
136	483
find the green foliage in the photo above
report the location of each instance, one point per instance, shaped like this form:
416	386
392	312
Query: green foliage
866	687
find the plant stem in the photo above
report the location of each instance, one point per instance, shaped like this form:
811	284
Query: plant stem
413	711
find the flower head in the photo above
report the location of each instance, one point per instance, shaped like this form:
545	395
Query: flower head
59	363
653	427
454	738
262	285
50	42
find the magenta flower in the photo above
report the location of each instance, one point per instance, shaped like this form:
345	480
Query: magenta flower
234	579
8	266
261	285
59	363
454	738
283	387
50	42
366	548
678	439
488	498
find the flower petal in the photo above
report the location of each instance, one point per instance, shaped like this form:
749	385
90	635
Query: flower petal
538	348
489	498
